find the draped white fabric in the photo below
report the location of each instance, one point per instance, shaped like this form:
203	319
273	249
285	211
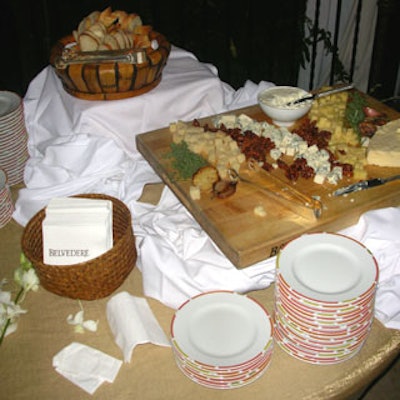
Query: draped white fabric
78	146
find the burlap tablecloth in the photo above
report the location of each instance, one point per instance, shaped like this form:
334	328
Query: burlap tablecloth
26	356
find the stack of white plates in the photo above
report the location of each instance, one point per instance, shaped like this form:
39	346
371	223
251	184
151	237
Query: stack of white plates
324	298
13	137
222	340
6	204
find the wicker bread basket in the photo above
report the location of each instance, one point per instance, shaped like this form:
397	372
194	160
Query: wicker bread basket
112	80
96	278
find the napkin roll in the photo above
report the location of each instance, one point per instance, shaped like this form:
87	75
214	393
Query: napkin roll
76	230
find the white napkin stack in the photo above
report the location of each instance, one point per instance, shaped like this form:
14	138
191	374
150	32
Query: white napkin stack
85	366
76	230
132	322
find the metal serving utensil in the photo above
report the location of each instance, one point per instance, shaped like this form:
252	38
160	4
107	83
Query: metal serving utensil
296	198
362	185
71	56
317	95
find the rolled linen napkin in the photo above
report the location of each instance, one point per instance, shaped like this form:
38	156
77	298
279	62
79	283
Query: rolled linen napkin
132	322
85	366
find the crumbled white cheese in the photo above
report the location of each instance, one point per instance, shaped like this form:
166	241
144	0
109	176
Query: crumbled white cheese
335	175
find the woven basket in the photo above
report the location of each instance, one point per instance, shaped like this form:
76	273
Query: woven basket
112	80
96	278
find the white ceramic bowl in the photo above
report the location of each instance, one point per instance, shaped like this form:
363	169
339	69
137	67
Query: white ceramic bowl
273	101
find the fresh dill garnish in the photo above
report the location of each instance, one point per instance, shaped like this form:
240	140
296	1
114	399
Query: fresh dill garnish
185	161
355	113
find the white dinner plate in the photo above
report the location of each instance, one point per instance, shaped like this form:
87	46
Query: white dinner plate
327	267
9	102
221	329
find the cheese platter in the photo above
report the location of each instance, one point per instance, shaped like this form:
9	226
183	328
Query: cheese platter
264	213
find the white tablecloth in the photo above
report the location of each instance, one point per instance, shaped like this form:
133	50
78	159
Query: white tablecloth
78	146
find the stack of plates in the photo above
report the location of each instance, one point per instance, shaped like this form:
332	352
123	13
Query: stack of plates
324	298
6	204
222	340
13	137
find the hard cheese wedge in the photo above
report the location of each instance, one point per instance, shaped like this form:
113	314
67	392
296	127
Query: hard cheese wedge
384	147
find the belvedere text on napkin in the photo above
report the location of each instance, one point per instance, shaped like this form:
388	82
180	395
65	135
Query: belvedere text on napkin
76	230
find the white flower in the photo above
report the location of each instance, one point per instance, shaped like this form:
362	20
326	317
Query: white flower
9	313
25	276
27	279
5	297
81	324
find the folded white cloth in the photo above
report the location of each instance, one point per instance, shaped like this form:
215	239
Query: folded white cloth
69	166
379	231
132	322
179	260
85	366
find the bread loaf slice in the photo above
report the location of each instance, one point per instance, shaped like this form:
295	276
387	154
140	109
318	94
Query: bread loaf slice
132	22
205	178
88	21
110	43
89	42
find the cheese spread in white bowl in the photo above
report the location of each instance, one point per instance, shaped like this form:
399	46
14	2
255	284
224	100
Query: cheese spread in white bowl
275	102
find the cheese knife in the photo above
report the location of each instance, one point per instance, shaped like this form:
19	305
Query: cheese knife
362	185
322	94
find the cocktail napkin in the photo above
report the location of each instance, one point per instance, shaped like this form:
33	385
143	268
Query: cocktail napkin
76	230
85	366
132	322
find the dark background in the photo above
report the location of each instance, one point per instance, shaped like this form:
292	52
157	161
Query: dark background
256	40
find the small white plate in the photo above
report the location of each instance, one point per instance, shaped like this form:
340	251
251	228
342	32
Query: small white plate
221	329
327	267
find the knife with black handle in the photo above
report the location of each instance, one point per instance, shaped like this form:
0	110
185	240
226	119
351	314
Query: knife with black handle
317	95
362	185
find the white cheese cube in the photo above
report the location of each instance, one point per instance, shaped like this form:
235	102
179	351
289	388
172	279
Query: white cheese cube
194	193
275	153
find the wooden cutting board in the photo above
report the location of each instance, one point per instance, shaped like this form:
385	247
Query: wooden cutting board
246	238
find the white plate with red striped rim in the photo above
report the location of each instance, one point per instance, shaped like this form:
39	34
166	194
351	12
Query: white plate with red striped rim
327	267
221	329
